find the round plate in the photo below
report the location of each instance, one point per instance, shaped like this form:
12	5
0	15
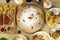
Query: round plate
53	17
30	17
41	34
20	37
53	31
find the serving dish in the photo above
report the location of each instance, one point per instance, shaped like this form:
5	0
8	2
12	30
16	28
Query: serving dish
55	34
7	16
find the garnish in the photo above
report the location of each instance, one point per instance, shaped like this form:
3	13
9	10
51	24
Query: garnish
23	20
31	16
8	28
3	29
3	38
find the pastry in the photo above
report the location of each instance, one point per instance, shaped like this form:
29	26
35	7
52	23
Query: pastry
29	17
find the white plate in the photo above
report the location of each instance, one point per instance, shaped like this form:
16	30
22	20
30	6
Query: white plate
42	33
52	31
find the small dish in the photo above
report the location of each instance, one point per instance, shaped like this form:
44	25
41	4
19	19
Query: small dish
53	17
7	16
20	37
55	33
47	3
41	35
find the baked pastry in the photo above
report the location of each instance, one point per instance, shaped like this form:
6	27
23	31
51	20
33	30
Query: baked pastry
29	17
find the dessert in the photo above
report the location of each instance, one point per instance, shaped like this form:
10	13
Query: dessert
29	17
